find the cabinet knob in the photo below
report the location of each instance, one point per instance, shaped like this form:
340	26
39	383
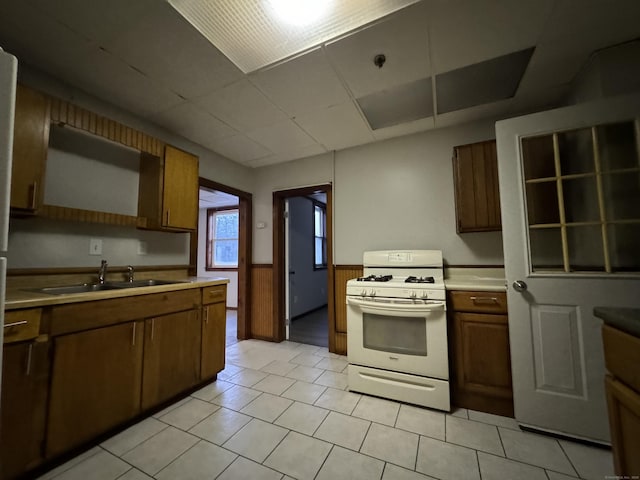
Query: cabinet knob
519	286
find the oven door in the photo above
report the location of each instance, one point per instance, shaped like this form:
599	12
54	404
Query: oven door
398	336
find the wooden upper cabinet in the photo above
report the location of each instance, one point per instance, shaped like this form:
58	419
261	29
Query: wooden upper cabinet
475	171
30	143
168	191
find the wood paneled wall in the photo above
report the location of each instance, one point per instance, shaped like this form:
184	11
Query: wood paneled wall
262	326
341	275
69	114
262	302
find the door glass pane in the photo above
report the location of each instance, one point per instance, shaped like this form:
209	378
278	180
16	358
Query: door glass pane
404	335
576	151
617	147
542	203
622	195
546	249
624	245
581	200
226	253
538	160
585	248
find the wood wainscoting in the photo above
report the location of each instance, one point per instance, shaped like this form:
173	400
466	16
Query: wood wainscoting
341	275
262	298
262	326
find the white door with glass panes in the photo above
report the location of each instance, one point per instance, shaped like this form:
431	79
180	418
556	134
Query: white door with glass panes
570	200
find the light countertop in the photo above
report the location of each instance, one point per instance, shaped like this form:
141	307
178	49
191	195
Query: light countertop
20	297
475	279
625	319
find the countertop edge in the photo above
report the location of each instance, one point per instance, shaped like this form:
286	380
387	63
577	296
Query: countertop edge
625	319
474	285
21	298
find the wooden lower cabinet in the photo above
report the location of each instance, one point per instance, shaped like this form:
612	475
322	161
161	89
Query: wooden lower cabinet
624	418
480	354
214	331
171	356
95	384
25	378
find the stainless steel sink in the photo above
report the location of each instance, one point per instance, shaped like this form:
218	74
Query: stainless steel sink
82	288
98	287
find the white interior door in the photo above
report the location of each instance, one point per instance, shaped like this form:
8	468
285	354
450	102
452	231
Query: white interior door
570	196
287	267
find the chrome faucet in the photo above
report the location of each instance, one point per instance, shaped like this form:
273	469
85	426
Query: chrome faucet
130	273
102	273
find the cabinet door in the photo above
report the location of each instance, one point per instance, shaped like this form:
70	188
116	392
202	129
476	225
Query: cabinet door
180	192
475	169
171	356
25	380
30	143
213	339
624	420
95	384
482	368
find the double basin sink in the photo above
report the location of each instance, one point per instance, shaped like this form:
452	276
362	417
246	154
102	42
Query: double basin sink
98	287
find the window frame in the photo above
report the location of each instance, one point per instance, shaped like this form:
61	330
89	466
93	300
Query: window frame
323	208
210	238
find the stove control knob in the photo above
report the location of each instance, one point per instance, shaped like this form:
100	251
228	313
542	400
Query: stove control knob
363	293
425	295
412	295
372	293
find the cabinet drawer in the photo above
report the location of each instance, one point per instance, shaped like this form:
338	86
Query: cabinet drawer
21	325
214	294
622	355
481	302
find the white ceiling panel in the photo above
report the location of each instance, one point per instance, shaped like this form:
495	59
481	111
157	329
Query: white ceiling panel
336	127
468	31
289	84
281	137
192	122
402	38
165	46
239	148
242	106
113	80
404	129
216	199
293	154
98	21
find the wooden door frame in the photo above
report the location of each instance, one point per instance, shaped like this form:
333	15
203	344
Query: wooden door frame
279	276
245	209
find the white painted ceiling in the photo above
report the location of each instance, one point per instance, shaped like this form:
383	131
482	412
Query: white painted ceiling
216	199
144	57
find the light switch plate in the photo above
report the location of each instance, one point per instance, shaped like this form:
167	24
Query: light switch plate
142	247
95	246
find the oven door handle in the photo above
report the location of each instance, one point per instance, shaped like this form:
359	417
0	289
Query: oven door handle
395	309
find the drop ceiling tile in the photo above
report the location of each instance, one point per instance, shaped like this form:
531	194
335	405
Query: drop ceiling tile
336	127
281	137
489	110
19	21
290	84
480	83
467	31
401	37
404	129
116	82
239	148
166	47
98	21
194	123
294	154
397	105
242	106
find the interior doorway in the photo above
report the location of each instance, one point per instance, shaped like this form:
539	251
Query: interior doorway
222	248
306	312
284	310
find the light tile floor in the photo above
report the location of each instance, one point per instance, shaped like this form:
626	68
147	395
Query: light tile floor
281	411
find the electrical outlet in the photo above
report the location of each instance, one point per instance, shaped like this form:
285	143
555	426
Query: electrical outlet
142	248
95	246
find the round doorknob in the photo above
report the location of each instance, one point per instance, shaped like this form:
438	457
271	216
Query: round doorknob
519	286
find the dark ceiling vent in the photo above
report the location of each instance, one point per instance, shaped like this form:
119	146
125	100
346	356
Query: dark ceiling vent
480	83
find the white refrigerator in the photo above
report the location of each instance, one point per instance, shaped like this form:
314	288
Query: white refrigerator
8	72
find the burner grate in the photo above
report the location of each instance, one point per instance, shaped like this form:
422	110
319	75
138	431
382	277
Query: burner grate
375	278
413	279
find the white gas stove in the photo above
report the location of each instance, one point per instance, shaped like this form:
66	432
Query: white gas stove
397	328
